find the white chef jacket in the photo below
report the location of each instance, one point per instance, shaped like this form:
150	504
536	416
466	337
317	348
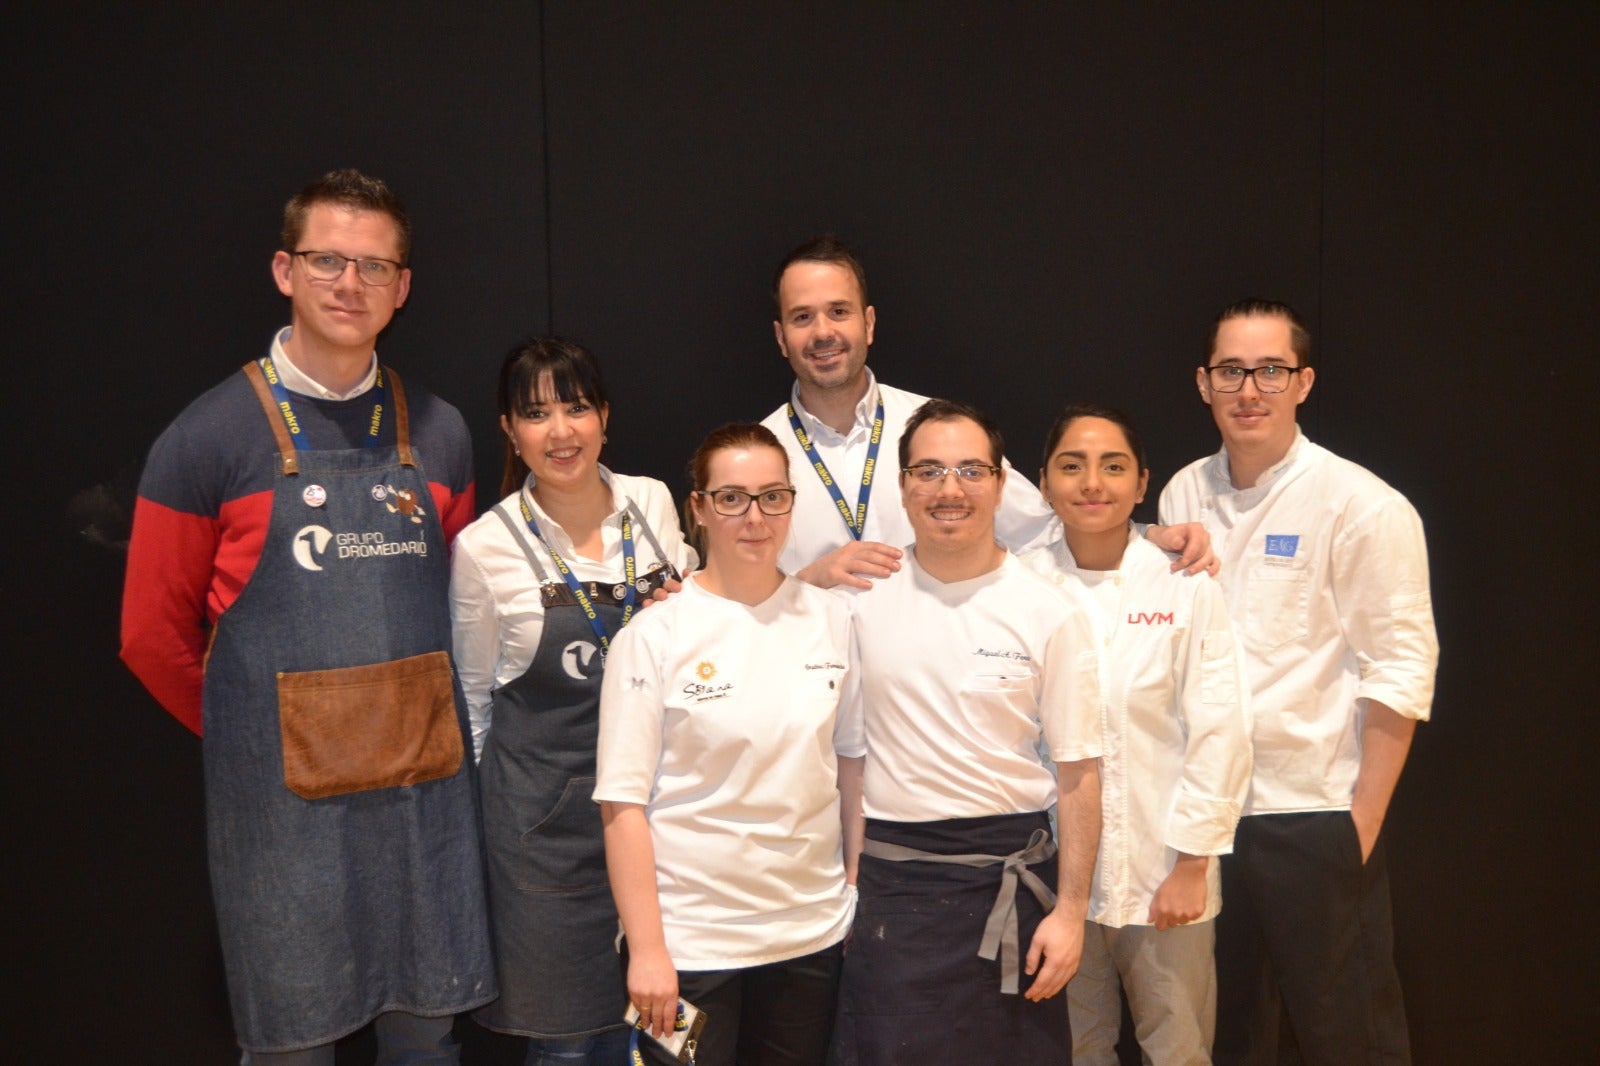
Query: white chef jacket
963	684
816	526
1326	575
496	608
1176	766
721	719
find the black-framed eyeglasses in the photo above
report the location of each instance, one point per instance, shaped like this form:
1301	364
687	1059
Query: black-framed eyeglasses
731	503
1272	377
967	473
328	266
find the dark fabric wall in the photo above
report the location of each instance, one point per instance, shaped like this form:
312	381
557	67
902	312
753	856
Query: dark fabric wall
1051	202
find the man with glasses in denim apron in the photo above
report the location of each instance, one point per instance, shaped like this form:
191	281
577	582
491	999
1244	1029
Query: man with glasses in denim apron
287	599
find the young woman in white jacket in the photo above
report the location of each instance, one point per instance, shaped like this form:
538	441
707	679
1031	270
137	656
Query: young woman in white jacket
1177	751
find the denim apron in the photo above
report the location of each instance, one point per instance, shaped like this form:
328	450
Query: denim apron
340	812
555	924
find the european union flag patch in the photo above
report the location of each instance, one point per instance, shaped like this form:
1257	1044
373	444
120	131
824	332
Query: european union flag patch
1283	545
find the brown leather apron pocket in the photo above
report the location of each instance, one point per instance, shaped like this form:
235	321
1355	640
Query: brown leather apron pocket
364	727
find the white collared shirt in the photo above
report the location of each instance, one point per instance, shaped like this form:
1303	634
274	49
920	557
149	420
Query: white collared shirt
1326	575
1176	766
496	607
963	685
295	380
1022	521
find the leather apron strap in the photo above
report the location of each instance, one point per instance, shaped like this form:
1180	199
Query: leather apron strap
288	463
402	418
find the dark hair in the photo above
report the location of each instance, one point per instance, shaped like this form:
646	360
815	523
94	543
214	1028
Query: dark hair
723	438
1299	336
825	248
951	411
1074	411
574	375
347	188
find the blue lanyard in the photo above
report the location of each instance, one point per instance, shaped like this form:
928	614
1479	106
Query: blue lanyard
281	394
630	567
679	1024
857	523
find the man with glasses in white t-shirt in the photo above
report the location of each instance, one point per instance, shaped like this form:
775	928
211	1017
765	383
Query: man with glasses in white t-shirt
980	716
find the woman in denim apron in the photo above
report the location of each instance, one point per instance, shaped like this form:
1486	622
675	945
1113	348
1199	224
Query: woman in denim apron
540	584
344	847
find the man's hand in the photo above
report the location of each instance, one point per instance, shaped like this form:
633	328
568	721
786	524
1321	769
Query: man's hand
1181	897
852	565
1059	943
1368	826
1192	544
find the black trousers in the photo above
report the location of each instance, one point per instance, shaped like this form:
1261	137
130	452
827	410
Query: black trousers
779	1014
1306	936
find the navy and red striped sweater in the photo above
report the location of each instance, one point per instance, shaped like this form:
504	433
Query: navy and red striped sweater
205	503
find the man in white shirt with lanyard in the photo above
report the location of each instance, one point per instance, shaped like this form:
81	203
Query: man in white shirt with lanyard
841	422
1326	576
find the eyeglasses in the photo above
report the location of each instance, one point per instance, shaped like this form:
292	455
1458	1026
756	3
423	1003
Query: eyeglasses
731	503
1269	378
969	474
329	266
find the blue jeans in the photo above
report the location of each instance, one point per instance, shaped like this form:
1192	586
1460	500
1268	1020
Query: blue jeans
603	1049
403	1040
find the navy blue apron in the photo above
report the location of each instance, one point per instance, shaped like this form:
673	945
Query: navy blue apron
916	987
555	924
340	808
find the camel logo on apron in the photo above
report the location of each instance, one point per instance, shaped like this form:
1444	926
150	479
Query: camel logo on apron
582	660
309	544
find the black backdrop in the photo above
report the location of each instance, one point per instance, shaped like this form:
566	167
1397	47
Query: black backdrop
1050	199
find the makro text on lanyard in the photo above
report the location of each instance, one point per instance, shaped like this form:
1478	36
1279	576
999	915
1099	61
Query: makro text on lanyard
630	568
857	522
281	394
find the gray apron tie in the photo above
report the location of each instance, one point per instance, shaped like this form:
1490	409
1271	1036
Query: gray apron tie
1000	936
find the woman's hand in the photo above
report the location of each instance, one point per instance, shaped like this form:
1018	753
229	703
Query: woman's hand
1181	898
669	586
653	989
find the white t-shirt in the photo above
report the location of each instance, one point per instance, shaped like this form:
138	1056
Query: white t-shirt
721	719
1326	576
817	527
1176	766
963	686
496	609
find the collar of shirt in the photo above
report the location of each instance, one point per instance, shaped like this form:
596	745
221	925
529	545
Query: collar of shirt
825	434
1247	497
557	537
295	380
1064	559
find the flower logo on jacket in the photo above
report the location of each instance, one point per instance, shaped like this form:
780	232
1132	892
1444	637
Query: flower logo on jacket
705	671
